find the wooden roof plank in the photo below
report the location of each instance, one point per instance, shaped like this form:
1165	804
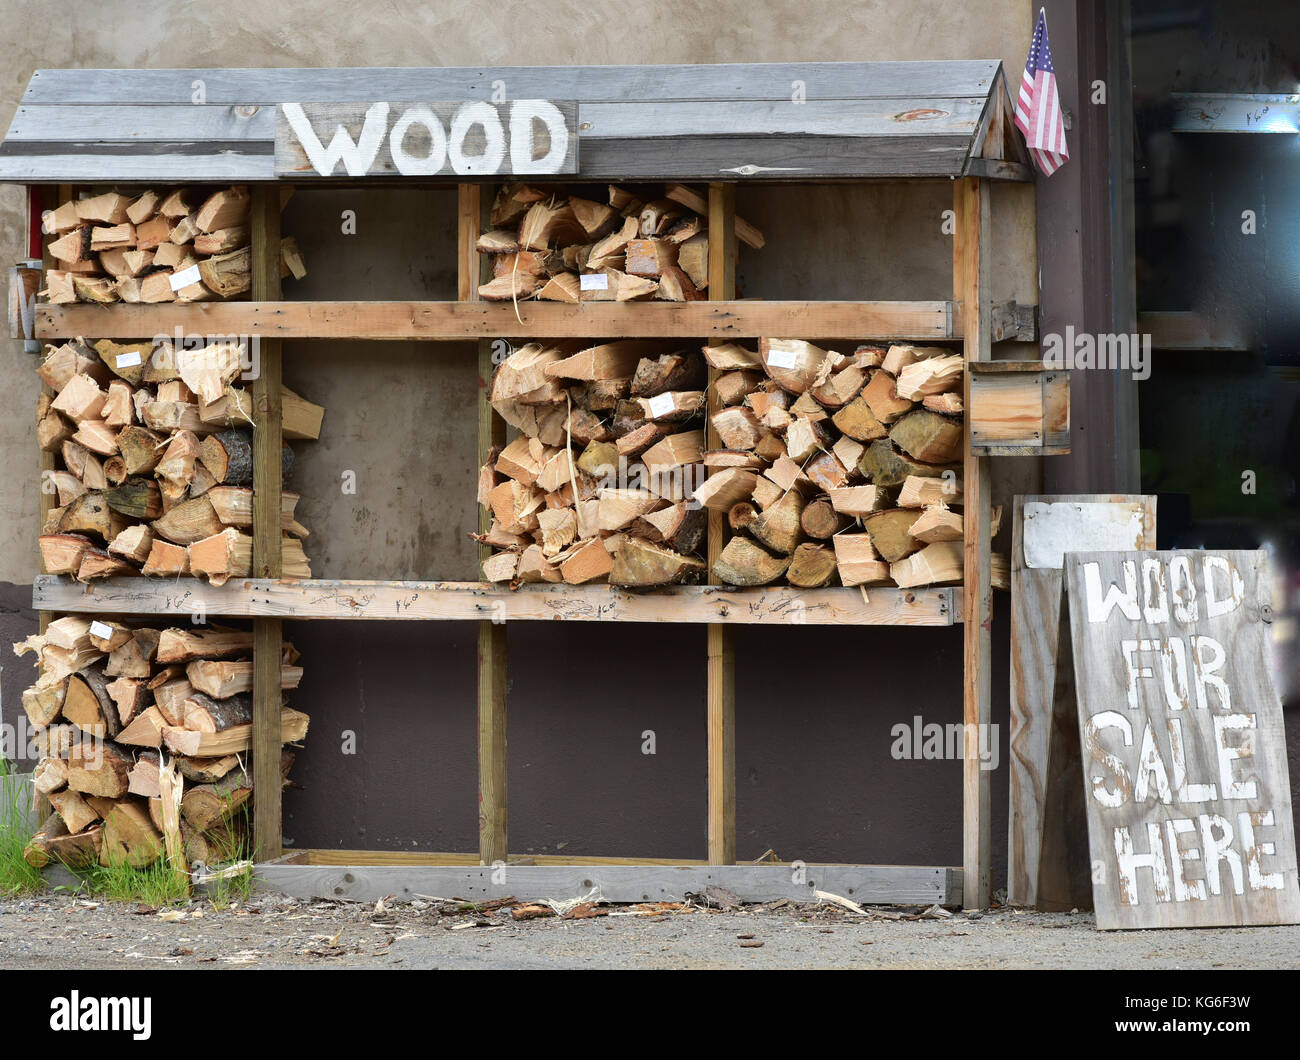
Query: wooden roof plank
718	81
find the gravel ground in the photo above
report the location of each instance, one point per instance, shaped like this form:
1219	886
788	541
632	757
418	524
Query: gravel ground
272	931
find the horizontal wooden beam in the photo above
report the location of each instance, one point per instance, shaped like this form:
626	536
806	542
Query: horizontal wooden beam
479	601
445	859
450	321
864	884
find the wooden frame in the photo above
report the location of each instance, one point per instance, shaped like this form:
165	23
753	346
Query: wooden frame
990	153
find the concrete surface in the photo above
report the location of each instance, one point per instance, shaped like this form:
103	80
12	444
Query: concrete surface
271	932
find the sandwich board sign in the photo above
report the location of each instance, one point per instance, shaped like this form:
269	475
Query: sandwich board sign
475	138
1184	755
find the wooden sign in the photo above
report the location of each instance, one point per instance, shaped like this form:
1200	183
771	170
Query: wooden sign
524	137
1184	755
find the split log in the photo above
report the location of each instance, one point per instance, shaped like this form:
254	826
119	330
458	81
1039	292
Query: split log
725	488
935	564
890	532
812	566
89	705
77	814
928	437
237	738
857	560
937	524
640	564
884	465
189	522
744	563
99	769
590	562
778	526
881	395
183	646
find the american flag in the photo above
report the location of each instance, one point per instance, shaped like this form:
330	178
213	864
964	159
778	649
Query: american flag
1038	111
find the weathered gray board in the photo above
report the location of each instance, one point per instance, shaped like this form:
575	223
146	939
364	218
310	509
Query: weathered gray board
1047	863
864	884
1185	773
763	121
426	140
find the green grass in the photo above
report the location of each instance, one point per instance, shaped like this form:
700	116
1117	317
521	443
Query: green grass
221	893
119	881
16	876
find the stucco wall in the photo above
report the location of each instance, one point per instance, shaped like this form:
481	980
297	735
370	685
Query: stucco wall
815	779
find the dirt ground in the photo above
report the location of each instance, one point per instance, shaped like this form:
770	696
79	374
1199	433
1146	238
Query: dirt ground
272	931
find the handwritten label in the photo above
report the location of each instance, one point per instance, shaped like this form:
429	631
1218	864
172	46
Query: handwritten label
128	360
1184	763
102	630
662	405
185	277
781	359
595	281
472	138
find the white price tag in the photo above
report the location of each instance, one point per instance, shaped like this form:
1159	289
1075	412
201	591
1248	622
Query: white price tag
102	630
185	277
593	281
128	360
781	359
662	405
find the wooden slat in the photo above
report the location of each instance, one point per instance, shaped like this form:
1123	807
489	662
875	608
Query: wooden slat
267	483
1033	762
865	884
720	81
478	320
445	601
721	693
854	121
493	830
970	284
139	125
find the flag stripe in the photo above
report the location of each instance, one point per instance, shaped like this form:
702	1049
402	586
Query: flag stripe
1038	113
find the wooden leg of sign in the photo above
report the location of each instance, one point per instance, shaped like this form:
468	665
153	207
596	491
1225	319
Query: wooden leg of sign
493	830
268	832
970	286
721	658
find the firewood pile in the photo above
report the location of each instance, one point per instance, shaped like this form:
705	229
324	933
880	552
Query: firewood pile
132	722
153	455
843	468
174	245
829	468
641	243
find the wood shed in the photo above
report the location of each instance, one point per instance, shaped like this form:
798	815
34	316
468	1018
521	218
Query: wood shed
597	242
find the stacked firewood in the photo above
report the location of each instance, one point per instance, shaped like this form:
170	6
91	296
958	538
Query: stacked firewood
642	243
153	455
132	723
830	468
839	468
174	245
596	486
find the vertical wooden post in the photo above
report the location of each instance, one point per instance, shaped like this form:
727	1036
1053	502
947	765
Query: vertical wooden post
268	833
970	286
722	659
493	829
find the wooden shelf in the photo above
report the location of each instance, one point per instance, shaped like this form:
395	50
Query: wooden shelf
484	601
368	876
452	321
